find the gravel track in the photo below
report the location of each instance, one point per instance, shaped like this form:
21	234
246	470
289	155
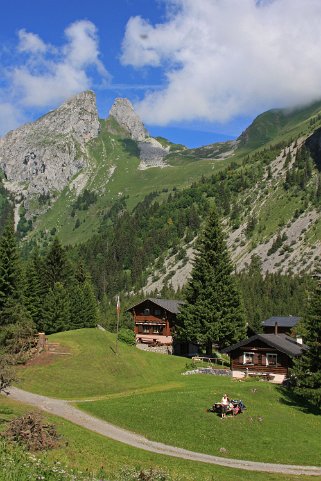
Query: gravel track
65	410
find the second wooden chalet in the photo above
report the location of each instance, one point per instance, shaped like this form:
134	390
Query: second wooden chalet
154	320
265	355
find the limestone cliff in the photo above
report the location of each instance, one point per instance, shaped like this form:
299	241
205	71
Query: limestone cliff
152	153
42	156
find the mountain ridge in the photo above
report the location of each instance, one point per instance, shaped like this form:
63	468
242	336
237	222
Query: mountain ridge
274	196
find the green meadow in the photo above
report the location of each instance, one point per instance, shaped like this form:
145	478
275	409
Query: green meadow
88	452
147	393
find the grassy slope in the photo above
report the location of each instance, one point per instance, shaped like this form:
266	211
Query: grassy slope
93	369
111	151
145	392
86	450
278	125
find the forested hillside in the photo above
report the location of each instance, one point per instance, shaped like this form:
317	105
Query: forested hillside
134	230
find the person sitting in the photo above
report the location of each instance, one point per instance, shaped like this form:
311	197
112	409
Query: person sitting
224	405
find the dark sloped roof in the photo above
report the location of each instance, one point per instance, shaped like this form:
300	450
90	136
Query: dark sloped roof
289	321
170	305
281	342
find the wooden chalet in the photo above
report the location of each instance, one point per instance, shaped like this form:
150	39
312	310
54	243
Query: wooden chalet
154	320
266	355
280	325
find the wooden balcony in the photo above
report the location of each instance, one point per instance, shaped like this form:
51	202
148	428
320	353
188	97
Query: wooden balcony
149	319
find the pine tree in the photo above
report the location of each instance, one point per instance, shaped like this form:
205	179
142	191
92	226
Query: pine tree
56	309
83	303
11	283
307	369
57	267
35	289
90	311
213	310
77	306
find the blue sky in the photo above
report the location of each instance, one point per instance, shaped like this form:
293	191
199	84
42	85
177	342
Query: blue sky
197	71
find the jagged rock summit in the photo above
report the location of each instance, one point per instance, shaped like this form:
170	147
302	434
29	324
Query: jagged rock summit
152	152
42	156
125	115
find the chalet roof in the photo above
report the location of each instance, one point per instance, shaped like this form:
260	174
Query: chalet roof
170	305
281	342
289	321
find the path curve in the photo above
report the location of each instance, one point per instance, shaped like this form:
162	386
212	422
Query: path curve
65	410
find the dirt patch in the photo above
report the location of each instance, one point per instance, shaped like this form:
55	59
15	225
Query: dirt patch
55	350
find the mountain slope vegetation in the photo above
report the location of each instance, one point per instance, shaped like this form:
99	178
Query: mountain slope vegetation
137	225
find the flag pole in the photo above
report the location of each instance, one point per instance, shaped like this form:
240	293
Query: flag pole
117	325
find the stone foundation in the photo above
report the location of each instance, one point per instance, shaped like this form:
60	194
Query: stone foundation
158	349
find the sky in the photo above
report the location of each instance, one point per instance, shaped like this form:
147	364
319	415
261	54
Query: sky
197	71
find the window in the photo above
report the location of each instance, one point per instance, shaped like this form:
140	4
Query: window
146	312
157	329
157	312
271	359
248	357
146	329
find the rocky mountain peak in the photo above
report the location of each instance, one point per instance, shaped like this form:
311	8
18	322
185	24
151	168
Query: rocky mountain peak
125	115
42	156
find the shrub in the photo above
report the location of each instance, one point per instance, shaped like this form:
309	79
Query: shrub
127	336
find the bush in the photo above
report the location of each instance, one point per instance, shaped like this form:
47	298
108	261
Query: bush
127	336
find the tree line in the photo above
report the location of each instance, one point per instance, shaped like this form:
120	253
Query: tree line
45	293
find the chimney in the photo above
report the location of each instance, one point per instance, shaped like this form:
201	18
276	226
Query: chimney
276	328
299	340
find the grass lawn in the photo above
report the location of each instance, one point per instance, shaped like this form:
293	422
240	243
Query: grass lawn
88	451
92	369
272	429
146	393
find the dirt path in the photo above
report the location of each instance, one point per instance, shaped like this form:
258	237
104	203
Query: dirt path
65	410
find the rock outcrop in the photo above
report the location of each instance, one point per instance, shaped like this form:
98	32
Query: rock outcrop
125	115
43	156
152	152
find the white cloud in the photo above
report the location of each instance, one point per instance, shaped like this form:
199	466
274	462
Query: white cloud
30	42
44	75
222	58
10	117
45	80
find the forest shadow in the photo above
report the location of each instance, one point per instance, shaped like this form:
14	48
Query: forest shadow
291	399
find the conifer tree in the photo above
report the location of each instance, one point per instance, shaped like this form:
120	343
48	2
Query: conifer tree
213	311
83	305
56	309
90	311
77	306
35	289
57	267
307	368
11	282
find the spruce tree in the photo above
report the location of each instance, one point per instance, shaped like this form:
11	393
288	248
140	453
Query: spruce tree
35	289
56	309
213	311
57	267
83	303
90	311
11	283
307	368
